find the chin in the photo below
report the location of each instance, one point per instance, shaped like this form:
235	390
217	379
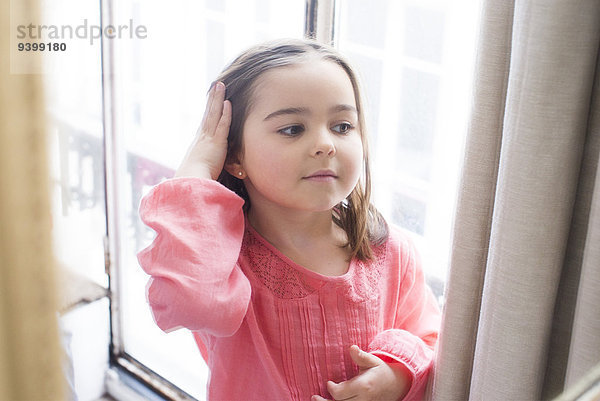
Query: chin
323	207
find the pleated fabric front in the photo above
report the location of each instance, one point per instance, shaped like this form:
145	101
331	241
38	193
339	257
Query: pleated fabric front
309	320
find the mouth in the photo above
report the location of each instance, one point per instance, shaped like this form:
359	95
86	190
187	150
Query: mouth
321	175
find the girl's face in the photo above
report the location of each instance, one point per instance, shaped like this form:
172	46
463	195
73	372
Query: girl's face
301	144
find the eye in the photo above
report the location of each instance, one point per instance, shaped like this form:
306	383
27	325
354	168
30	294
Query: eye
343	128
292	130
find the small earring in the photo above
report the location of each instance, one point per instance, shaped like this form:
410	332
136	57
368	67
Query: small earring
240	173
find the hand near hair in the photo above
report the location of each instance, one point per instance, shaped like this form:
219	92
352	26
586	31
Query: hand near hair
206	155
377	380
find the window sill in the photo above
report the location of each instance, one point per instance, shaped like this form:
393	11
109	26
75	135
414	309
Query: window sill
76	290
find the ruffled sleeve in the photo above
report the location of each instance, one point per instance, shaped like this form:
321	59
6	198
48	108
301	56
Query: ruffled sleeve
416	319
196	282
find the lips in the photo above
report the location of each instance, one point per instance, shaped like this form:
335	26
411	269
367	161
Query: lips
321	175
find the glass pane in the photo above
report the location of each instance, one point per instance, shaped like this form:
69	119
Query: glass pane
74	99
162	85
418	118
416	59
409	213
423	33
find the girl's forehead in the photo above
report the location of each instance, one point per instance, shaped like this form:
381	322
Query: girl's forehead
305	68
316	79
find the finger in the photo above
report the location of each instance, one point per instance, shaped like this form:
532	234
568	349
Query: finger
211	95
318	398
347	390
215	110
222	130
363	359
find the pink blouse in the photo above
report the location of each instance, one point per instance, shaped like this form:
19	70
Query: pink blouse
268	328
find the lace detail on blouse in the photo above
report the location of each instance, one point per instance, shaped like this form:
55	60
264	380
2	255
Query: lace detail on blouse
283	280
287	282
366	281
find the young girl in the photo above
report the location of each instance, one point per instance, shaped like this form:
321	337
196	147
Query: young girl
269	250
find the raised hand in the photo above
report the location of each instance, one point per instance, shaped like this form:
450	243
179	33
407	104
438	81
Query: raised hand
376	380
206	155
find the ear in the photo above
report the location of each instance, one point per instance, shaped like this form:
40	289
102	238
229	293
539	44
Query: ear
234	167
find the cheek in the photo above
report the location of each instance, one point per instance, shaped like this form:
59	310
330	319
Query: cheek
354	156
266	163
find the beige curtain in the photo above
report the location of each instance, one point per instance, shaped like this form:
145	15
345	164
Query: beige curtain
29	354
522	316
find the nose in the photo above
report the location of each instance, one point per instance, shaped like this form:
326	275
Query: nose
323	144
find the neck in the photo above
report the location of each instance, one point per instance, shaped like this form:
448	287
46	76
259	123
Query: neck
295	230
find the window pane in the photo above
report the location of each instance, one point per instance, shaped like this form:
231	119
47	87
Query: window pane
416	59
162	85
358	22
424	33
74	99
418	117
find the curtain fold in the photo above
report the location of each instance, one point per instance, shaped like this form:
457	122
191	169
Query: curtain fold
30	367
524	231
579	242
585	341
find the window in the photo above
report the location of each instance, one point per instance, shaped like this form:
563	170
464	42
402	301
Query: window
160	86
415	58
74	98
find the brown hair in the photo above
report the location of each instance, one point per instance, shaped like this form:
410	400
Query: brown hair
363	224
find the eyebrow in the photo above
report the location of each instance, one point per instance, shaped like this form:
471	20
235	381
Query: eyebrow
304	110
289	110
